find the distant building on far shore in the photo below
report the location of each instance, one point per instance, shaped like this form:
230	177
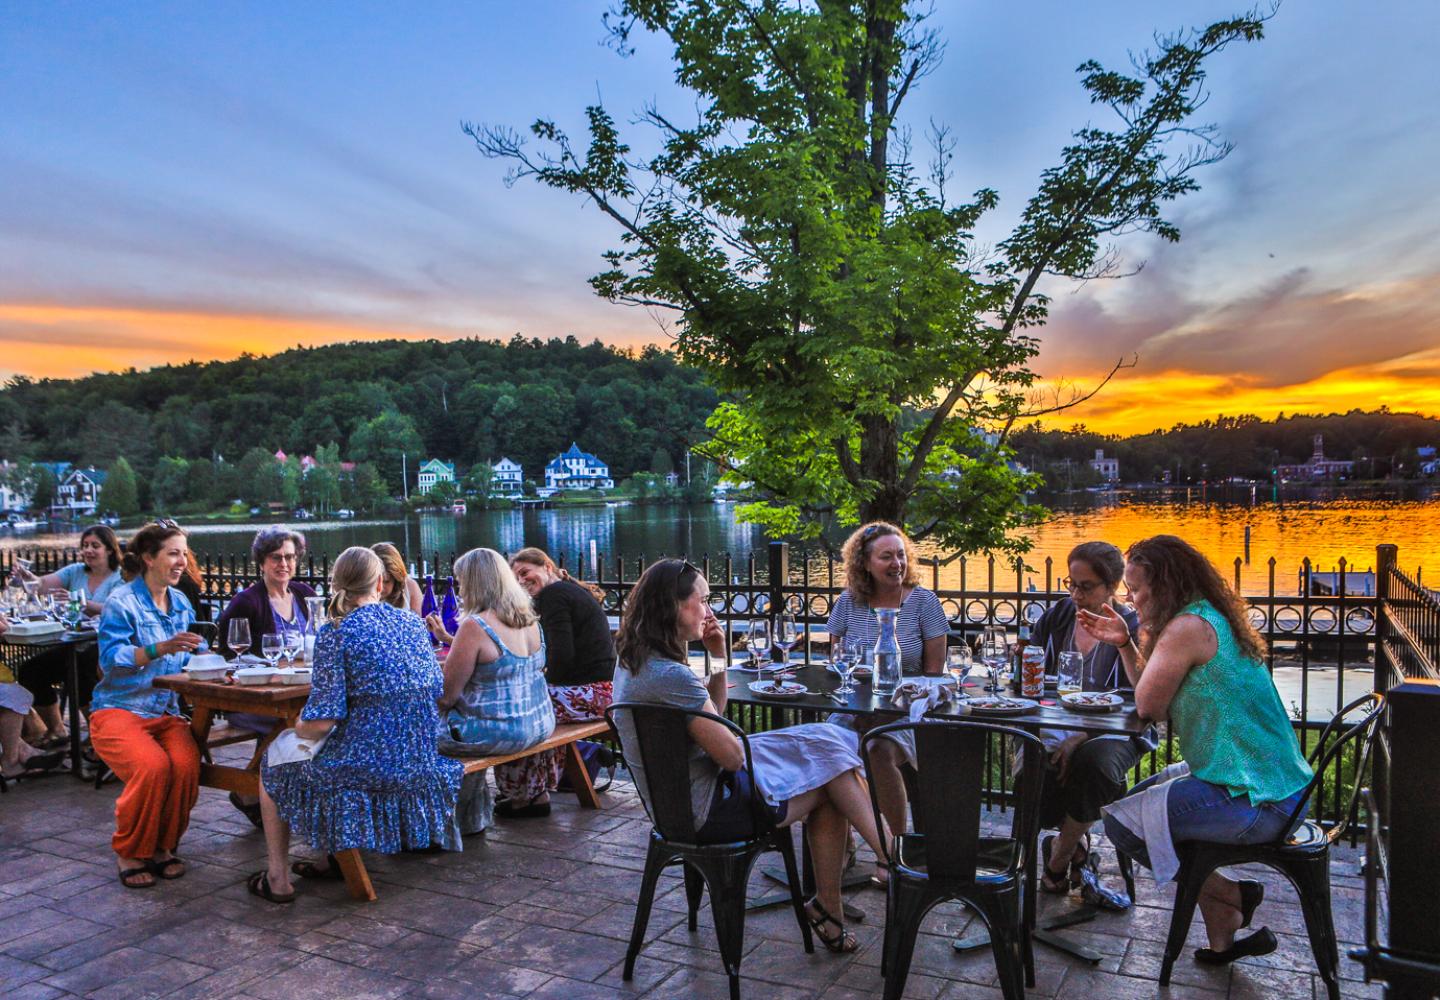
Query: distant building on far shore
1319	467
577	470
509	479
1108	468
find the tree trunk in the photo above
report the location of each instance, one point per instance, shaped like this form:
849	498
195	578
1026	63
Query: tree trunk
880	464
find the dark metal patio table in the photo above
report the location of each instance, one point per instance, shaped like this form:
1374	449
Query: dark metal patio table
824	682
73	642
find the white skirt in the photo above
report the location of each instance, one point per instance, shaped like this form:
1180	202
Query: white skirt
791	761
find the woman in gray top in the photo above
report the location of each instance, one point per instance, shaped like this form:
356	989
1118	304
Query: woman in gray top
808	772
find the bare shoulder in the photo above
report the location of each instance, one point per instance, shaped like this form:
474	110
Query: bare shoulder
1191	634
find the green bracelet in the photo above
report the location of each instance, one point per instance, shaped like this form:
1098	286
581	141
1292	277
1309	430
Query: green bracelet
152	652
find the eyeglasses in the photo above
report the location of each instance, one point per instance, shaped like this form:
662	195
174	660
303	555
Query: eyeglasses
283	557
1080	586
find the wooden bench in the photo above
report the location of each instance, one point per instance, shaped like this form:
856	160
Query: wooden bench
357	879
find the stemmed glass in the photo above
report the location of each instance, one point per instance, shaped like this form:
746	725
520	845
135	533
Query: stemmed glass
959	662
760	643
271	645
74	609
995	652
238	638
846	658
787	635
294	641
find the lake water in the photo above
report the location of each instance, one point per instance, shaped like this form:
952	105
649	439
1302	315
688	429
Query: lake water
1323	523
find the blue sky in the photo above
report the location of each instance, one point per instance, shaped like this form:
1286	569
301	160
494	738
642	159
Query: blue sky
194	179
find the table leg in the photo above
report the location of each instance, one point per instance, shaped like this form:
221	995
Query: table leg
72	678
357	879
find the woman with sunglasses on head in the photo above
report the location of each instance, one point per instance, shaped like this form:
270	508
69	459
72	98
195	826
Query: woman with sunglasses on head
137	728
1083	774
880	572
808	772
97	574
1199	662
274	603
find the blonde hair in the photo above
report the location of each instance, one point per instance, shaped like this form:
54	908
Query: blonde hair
539	557
353	576
393	567
487	583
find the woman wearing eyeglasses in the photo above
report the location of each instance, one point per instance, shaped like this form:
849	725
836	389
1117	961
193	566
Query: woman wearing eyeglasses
275	602
1083	773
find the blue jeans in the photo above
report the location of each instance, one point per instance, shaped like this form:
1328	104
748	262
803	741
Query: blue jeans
1199	810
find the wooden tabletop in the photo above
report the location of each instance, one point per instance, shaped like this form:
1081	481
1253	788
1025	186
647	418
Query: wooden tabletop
263	699
864	702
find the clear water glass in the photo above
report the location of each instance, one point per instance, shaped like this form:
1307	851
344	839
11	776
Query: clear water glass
846	657
995	652
294	642
959	662
1070	672
271	646
787	634
759	643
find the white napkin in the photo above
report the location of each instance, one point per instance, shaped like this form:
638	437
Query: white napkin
918	695
289	748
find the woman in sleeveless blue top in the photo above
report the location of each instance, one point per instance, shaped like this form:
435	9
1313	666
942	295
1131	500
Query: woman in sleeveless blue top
496	700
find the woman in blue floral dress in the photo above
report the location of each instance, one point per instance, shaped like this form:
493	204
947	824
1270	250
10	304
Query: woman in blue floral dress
378	783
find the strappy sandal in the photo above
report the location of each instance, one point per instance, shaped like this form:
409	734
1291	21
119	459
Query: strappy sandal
259	885
1053	882
842	943
309	869
163	869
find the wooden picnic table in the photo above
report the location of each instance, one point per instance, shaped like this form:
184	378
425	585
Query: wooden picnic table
281	702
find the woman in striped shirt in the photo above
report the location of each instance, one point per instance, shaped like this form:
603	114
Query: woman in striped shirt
880	573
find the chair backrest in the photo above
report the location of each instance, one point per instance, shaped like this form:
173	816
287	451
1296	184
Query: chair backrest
659	744
951	758
1363	730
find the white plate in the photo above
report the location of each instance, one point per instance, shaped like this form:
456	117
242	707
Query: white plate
782	690
1101	702
1010	706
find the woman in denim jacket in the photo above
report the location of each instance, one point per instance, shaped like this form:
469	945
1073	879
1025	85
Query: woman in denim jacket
135	727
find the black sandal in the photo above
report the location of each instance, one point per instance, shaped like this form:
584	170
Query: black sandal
259	885
128	873
309	869
1060	883
162	869
1262	942
842	943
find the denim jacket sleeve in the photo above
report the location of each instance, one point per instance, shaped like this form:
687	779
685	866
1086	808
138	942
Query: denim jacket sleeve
130	621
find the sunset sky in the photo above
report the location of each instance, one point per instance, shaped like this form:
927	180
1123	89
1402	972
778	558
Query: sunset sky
195	180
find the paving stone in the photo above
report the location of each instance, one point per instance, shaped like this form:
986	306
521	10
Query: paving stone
323	977
126	973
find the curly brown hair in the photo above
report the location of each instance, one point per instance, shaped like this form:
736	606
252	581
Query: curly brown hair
857	550
1178	574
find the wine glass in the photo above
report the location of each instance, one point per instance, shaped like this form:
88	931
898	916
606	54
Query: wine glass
847	658
238	638
271	645
760	643
959	662
787	634
1069	674
294	641
995	652
73	609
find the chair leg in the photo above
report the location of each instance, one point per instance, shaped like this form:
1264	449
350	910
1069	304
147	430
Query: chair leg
694	892
785	845
655	858
1187	898
1008	942
1127	872
910	903
1312	877
727	878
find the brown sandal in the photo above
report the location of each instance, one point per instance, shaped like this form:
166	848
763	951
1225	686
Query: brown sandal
309	869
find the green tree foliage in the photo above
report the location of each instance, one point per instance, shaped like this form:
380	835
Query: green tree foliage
444	493
121	492
819	277
363	489
383	441
170	483
258	477
42	493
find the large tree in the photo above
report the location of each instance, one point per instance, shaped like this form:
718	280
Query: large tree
874	355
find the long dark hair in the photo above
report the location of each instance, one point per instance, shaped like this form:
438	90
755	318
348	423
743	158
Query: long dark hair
650	623
1178	574
106	536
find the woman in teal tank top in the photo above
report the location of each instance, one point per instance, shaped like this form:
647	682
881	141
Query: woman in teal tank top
1198	662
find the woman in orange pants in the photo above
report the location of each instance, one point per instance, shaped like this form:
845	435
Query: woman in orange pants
135	727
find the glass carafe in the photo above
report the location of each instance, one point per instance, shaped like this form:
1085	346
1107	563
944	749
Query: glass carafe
314	619
887	652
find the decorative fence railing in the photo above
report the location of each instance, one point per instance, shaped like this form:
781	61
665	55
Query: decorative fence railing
1321	646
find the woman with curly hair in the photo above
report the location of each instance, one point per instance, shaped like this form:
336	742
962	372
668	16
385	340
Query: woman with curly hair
1200	663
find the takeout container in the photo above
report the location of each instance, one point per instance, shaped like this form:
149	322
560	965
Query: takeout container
254	675
293	675
207	667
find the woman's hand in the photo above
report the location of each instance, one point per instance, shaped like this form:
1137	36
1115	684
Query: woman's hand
181	642
712	635
437	628
1107	627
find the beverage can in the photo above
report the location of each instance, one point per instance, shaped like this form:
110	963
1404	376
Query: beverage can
1032	671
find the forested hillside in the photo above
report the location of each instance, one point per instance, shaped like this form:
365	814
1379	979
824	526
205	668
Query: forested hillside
465	401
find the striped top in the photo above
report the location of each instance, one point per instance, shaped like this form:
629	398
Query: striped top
921	617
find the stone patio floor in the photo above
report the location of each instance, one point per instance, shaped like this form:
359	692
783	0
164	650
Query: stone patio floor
538	908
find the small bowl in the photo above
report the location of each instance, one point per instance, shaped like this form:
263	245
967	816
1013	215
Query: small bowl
254	675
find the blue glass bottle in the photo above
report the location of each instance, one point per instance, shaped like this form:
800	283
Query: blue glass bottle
450	607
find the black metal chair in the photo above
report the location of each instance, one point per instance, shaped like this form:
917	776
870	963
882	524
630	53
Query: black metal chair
1303	857
945	857
661	750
